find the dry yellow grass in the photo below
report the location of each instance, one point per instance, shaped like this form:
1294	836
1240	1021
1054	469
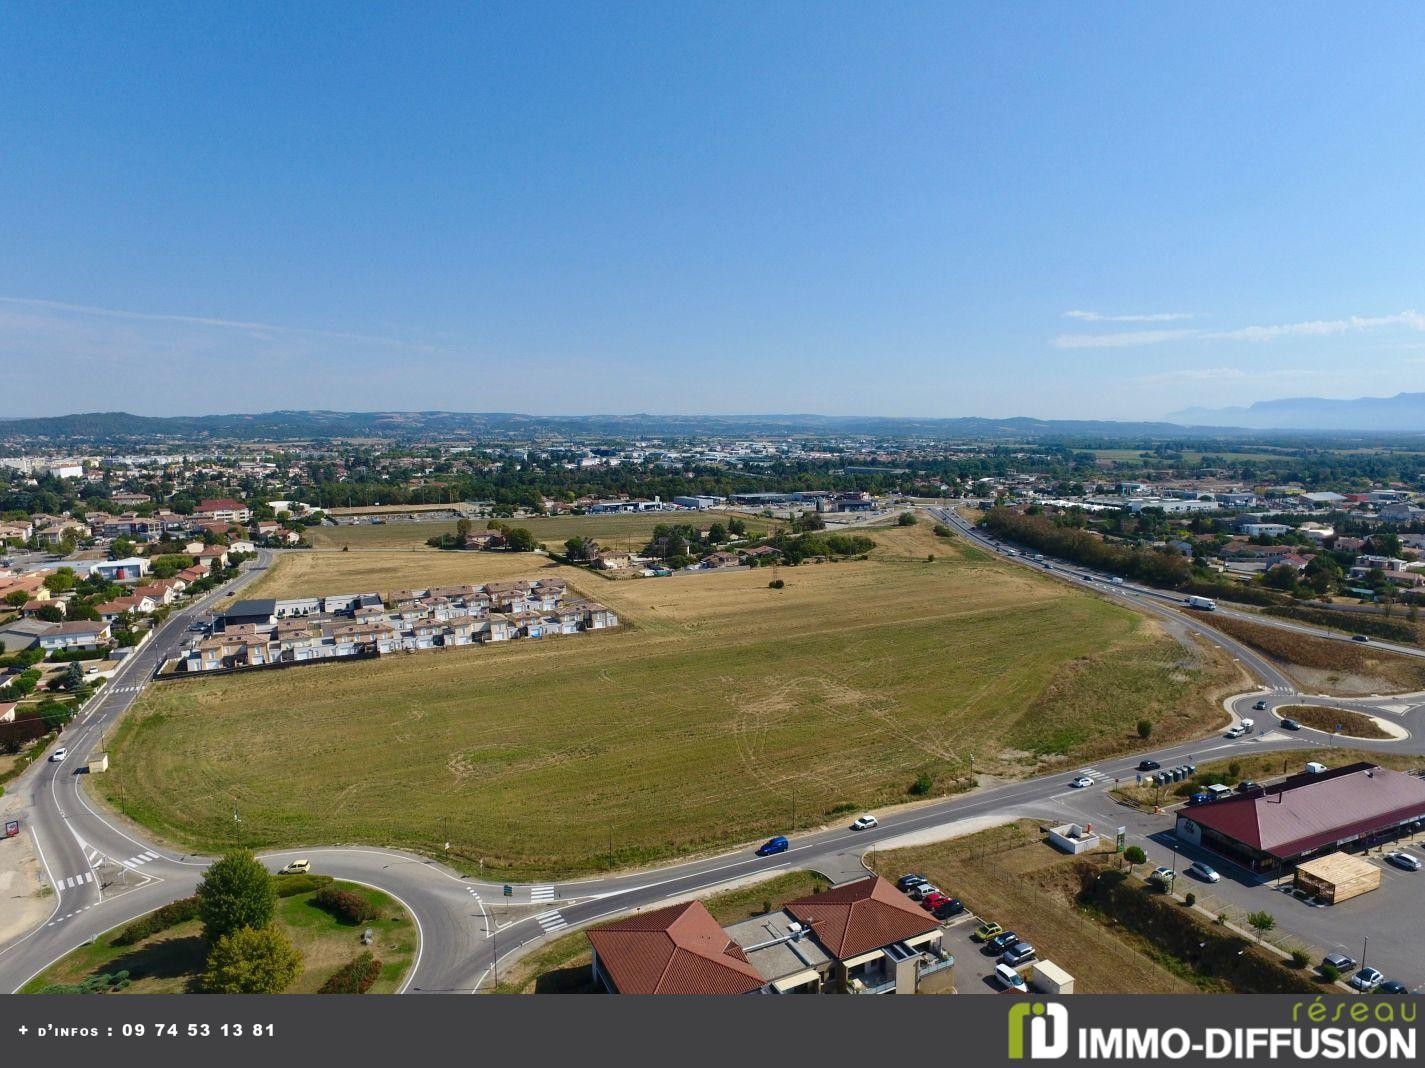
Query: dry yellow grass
316	574
719	708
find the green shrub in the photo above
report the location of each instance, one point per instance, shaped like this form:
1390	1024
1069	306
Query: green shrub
171	915
1190	899
1330	973
292	885
922	785
776	584
344	905
1300	958
353	977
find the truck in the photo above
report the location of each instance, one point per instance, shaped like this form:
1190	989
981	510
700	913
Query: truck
1116	581
1206	604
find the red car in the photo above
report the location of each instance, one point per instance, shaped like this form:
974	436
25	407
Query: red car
934	901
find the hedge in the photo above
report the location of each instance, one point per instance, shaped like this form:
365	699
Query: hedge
354	977
345	906
171	915
292	885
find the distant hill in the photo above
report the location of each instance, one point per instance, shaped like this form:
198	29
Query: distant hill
119	427
1402	413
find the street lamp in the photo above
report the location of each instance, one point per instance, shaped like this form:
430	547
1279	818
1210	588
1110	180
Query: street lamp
1365	942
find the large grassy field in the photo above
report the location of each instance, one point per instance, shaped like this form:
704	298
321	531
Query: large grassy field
624	532
724	711
171	962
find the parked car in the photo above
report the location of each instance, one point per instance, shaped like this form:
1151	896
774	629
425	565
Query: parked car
1199	799
58	755
1081	782
1148	765
1367	979
1403	860
863	823
1010	979
1290	725
950	907
1342	962
1203	871
921	891
907	882
1002	941
930	902
1359	638
777	844
1246	786
987	930
1162	875
297	867
1260	706
1392	986
1017	954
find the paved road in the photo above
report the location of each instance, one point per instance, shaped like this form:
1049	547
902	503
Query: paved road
106	872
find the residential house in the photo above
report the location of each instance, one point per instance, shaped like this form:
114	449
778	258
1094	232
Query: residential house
76	634
224	508
597	617
679	949
17	530
611	561
139	605
721	559
30	608
485	539
21	634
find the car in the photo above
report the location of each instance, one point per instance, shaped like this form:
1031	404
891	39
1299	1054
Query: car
1403	860
932	901
1367	979
863	823
1392	986
1290	725
1162	875
922	891
952	906
1010	979
1236	732
1002	941
1359	638
1081	782
1342	962
1017	954
775	844
906	882
1148	765
58	755
1246	786
1202	871
296	867
987	930
1260	706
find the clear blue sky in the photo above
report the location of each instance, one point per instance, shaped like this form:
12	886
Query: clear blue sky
668	207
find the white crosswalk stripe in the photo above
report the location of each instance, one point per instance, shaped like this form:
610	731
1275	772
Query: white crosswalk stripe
88	876
541	893
552	921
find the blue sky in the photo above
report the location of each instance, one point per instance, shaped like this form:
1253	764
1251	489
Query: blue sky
1058	210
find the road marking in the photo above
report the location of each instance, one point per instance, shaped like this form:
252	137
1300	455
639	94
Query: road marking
552	921
88	876
541	893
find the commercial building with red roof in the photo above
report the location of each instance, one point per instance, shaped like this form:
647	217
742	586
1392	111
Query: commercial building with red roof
675	950
1306	815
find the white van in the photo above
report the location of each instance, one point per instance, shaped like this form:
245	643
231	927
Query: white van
1010	979
1314	768
1219	791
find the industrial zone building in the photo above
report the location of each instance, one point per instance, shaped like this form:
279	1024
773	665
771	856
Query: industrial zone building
1306	815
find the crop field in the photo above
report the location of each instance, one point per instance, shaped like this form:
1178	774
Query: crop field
623	532
722	711
1341	667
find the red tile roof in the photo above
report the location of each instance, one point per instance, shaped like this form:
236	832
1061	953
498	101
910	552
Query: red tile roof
1308	812
675	950
860	917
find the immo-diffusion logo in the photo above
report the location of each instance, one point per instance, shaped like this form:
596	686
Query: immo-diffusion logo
1047	1025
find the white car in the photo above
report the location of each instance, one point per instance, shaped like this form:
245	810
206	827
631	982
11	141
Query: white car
1203	872
1011	979
1081	782
58	755
1236	732
1367	979
864	823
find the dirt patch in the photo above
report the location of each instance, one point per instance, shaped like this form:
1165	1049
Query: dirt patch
25	899
1342	667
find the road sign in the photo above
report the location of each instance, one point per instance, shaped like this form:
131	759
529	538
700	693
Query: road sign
509	890
12	828
1118	842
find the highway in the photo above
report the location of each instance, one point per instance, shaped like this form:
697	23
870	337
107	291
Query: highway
106	871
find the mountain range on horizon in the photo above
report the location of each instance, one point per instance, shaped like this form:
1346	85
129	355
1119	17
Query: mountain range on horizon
1300	416
1401	413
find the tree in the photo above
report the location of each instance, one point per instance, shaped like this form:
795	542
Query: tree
907	519
462	530
50	613
717	534
73	676
519	540
1145	728
236	892
17	598
1261	922
580	549
1134	855
1281	577
251	960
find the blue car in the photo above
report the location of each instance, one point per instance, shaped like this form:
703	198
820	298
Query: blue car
772	845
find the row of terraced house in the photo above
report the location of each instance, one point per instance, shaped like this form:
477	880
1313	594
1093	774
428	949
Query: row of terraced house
259	633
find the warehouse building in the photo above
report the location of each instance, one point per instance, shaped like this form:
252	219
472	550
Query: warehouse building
1306	815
